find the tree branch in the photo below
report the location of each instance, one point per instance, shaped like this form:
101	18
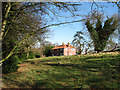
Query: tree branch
33	34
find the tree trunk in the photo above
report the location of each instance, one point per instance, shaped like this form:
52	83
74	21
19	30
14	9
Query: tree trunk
27	52
5	20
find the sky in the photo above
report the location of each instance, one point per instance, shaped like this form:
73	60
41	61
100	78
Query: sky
64	33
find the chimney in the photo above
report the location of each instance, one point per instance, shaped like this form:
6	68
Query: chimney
63	44
68	44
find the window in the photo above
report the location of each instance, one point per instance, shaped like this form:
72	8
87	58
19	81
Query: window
61	49
57	49
66	54
66	49
70	53
73	49
52	54
61	54
57	54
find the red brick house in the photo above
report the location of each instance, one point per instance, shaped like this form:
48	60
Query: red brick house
63	50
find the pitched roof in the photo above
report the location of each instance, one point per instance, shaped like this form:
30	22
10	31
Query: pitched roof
63	46
70	46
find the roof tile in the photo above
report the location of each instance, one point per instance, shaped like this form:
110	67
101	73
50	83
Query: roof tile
65	46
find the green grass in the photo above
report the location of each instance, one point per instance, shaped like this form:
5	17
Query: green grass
85	71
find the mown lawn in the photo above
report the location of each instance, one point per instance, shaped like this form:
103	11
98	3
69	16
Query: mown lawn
82	71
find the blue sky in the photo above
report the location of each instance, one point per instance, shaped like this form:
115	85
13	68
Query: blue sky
64	33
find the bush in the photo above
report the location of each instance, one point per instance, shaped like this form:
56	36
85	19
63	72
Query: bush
48	51
37	55
31	55
21	56
10	65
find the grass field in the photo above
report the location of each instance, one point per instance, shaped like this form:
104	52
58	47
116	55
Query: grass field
81	71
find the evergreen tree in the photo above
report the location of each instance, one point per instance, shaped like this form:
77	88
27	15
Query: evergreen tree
78	41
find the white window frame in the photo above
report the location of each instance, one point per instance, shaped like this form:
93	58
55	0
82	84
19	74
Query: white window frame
70	53
66	49
66	54
73	49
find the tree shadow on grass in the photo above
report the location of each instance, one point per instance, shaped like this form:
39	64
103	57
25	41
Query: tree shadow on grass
84	65
24	84
96	57
16	83
94	81
42	61
64	65
76	66
39	84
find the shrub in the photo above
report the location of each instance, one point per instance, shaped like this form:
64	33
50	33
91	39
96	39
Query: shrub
10	65
37	55
31	55
22	56
48	51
